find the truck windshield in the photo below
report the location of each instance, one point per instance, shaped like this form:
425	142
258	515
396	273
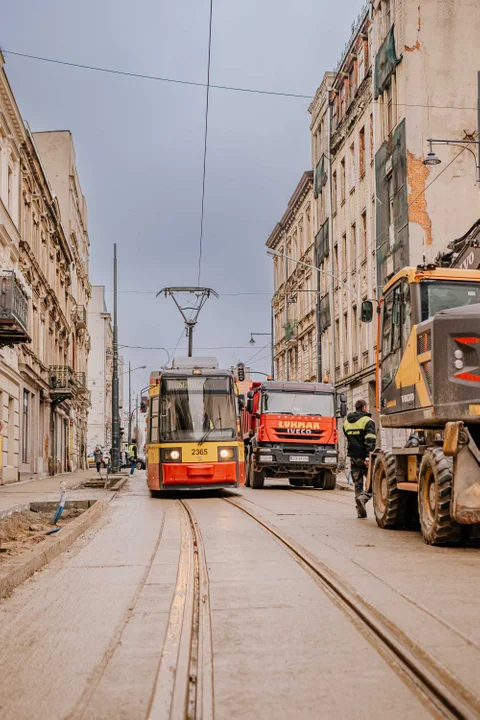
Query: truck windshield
441	295
292	403
191	406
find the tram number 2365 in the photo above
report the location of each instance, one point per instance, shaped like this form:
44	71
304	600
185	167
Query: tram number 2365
199	451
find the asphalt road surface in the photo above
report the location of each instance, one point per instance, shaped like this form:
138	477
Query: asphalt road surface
275	603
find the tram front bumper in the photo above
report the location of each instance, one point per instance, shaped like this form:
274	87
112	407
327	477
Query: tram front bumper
221	474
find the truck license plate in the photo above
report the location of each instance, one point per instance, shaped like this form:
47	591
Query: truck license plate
298	458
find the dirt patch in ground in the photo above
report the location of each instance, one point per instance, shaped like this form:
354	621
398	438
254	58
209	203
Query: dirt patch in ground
23	530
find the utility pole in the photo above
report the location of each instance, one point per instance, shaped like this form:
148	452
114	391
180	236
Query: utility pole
129	404
272	332
136	420
115	398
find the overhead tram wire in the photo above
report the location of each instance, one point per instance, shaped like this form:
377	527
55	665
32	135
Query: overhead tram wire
207	99
232	88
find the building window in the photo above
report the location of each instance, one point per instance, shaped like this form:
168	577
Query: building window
335	264
354	332
334	192
391	219
361	151
352	165
361	64
337	343
371	137
344	256
363	229
345	337
353	247
343	181
25	426
389	108
10	191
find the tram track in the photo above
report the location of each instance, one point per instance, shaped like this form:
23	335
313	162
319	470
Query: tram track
446	695
184	683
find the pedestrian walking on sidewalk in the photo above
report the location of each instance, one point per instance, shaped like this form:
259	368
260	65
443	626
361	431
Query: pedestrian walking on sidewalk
98	457
360	432
132	453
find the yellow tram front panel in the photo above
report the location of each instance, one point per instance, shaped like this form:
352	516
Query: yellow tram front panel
215	464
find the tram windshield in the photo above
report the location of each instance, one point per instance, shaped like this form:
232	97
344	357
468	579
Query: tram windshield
192	406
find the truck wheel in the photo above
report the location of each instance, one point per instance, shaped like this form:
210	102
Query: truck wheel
389	503
435	498
329	480
257	477
247	469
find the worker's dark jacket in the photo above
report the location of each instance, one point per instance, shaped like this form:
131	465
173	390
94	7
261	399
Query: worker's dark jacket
359	429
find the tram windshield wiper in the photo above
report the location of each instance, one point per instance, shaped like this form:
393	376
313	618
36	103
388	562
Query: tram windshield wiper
205	435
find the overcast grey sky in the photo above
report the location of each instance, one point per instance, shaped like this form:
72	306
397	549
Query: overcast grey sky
139	144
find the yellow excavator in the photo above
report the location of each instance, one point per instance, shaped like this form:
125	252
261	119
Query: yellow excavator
428	383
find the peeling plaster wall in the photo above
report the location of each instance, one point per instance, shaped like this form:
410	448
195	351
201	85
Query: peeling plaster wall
441	59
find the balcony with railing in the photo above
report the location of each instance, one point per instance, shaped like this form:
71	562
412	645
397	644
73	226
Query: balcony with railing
81	381
80	317
13	310
62	383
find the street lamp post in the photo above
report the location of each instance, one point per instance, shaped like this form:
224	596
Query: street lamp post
432	159
130	370
270	335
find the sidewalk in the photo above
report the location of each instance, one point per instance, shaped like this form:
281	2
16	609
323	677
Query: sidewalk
15	496
342	482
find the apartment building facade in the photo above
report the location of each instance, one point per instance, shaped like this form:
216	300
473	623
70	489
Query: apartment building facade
408	73
44	401
57	154
294	299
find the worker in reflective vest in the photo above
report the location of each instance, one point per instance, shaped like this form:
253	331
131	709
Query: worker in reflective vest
132	454
359	429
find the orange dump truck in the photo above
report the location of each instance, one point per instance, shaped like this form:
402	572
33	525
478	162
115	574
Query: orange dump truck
290	431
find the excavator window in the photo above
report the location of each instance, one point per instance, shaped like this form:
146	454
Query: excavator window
392	334
441	295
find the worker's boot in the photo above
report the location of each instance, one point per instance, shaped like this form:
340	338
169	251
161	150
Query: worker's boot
360	502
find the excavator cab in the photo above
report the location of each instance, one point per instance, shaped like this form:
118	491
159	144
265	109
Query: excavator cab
428	380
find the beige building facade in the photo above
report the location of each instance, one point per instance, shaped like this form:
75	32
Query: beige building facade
294	299
408	73
44	399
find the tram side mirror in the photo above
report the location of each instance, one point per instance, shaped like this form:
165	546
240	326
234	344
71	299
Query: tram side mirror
241	402
144	404
367	311
342	405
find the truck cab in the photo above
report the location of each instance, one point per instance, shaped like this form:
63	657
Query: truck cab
290	431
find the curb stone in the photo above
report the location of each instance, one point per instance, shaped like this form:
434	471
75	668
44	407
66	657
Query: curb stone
17	570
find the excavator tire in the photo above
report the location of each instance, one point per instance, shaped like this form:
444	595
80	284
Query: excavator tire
435	491
389	503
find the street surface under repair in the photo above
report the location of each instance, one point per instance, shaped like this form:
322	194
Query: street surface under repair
102	631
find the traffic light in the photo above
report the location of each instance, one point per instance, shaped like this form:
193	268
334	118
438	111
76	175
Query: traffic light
241	371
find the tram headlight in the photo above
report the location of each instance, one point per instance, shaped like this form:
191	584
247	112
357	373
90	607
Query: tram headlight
226	453
172	455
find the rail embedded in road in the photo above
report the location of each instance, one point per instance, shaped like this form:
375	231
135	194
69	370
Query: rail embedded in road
184	683
423	673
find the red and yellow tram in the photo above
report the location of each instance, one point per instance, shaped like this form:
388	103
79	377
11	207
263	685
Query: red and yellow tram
193	428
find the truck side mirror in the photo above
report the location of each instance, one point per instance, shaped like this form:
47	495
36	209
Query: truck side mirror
342	405
250	405
367	311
